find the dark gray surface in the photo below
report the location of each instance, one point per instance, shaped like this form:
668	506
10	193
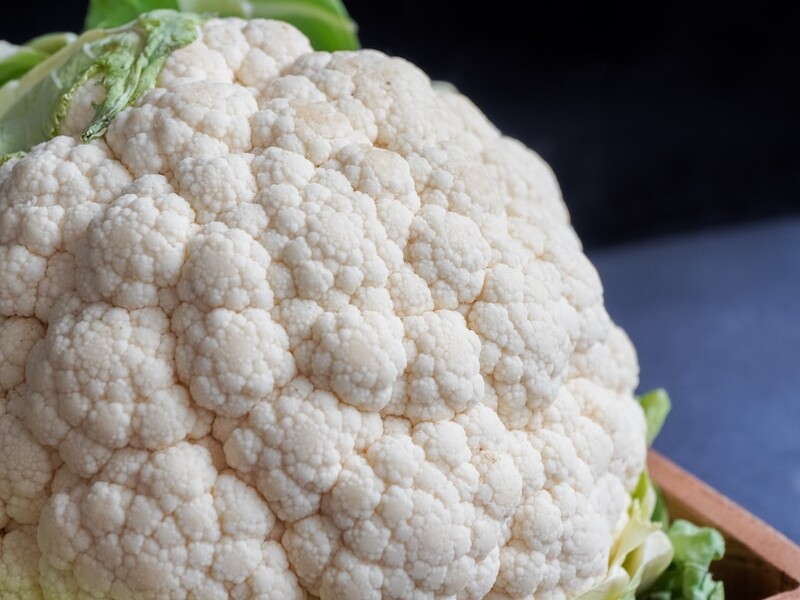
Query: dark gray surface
715	318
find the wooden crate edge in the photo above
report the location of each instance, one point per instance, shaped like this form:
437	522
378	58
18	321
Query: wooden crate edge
712	508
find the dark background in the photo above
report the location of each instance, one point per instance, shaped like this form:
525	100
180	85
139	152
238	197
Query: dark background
656	116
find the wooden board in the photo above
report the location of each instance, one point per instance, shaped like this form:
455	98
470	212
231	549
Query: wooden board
759	562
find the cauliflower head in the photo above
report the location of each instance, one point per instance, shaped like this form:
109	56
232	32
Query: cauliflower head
302	325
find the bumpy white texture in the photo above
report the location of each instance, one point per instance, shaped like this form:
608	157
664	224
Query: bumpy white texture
104	379
302	324
136	248
294	448
26	466
47	201
419	514
19	564
231	361
162	525
443	376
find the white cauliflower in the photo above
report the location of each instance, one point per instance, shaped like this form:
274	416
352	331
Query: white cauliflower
299	325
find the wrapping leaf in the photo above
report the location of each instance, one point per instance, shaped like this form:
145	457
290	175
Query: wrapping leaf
39	79
325	22
15	61
656	405
660	514
652	560
642	551
689	577
127	60
50	43
105	14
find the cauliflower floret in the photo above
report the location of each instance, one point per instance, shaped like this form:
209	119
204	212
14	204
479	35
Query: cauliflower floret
59	281
189	119
103	379
449	177
47	200
315	130
215	184
252	53
162	525
577	500
53	193
448	251
386	178
527	330
529	188
302	325
417	515
294	448
230	360
26	467
409	114
19	565
135	249
18	335
325	241
21	272
225	268
357	355
409	293
442	377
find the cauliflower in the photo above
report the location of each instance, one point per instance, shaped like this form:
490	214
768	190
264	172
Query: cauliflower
296	324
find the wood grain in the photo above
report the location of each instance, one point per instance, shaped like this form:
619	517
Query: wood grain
759	562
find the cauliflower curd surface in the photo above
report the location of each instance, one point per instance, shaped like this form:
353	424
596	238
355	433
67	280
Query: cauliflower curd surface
302	325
